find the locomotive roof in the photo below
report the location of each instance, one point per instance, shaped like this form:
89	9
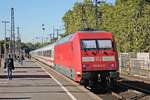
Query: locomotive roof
91	31
63	40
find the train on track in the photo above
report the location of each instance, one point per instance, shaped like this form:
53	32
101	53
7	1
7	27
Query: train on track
87	57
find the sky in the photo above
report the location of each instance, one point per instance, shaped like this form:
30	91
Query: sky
31	14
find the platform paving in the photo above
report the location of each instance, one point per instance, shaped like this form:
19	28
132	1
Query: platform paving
31	82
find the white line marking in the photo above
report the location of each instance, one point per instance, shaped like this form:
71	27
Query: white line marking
71	96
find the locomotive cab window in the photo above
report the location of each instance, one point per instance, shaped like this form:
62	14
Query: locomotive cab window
96	44
104	44
88	44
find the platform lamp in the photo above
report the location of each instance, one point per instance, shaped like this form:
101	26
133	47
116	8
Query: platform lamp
96	11
43	30
5	48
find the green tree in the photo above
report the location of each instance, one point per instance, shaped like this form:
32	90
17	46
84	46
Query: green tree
81	16
129	20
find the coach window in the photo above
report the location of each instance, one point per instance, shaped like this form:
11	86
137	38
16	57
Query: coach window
45	53
49	53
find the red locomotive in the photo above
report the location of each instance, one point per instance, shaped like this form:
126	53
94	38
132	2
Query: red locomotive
88	57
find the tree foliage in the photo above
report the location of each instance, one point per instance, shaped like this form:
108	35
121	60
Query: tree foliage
129	20
81	16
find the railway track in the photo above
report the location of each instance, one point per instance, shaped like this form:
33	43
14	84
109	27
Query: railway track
130	93
125	91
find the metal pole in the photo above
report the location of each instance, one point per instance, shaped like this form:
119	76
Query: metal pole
96	11
18	41
96	15
53	34
0	51
12	33
50	36
43	29
57	33
42	41
32	41
5	49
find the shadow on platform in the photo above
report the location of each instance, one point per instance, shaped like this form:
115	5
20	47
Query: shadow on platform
27	67
16	98
45	91
26	76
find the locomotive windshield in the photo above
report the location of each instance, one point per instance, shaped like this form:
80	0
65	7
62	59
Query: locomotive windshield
104	44
96	44
89	44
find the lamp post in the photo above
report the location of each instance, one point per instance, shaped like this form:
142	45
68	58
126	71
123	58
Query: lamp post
50	36
5	49
9	35
18	41
96	11
43	29
96	15
57	32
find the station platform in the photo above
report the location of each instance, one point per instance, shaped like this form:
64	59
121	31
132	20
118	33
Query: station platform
31	81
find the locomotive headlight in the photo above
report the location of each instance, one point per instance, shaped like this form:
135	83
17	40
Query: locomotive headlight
112	65
78	74
85	66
